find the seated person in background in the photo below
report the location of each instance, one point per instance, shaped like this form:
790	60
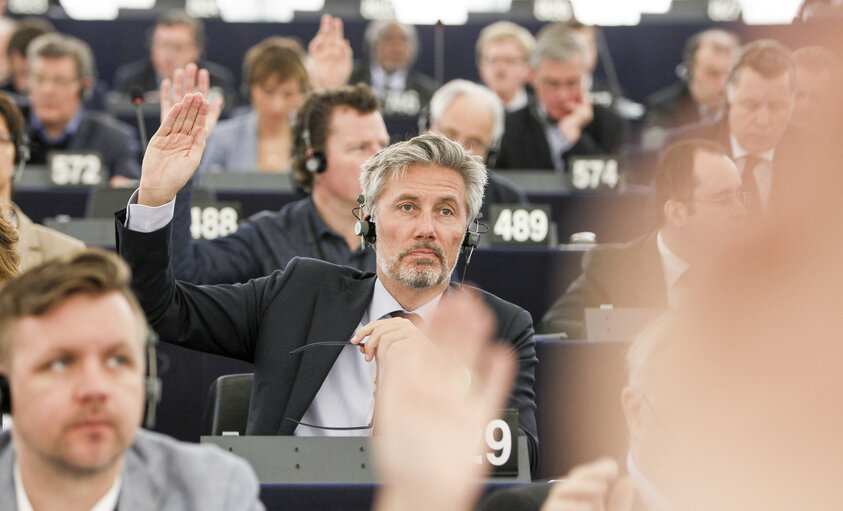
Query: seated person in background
177	40
275	72
344	129
503	60
701	93
818	109
72	347
27	31
754	129
699	206
393	48
61	70
37	243
473	115
9	257
563	122
422	193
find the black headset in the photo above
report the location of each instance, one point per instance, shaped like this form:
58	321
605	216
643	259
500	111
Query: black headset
365	228
316	163
153	384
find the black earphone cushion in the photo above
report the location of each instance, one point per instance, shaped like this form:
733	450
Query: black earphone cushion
316	163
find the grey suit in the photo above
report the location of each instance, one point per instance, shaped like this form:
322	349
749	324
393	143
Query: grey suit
233	145
166	475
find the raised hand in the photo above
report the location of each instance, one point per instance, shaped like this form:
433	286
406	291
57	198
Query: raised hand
190	79
592	486
427	421
174	152
329	54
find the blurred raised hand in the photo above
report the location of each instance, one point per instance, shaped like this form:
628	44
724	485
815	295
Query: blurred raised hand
329	55
187	80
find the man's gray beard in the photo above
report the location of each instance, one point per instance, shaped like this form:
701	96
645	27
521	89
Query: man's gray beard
422	274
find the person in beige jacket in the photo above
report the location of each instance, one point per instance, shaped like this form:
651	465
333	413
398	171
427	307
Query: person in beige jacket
36	243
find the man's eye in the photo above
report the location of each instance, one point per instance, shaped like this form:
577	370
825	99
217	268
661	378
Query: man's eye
59	364
117	361
405	207
447	211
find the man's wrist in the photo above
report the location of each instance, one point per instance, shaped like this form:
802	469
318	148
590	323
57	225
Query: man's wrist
152	198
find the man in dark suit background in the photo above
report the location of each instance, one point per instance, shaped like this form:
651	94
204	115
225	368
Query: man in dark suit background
473	115
177	40
562	122
699	206
423	194
393	48
701	92
754	128
61	74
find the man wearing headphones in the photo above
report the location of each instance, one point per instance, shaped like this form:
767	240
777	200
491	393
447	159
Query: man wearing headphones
336	131
701	93
61	70
72	343
314	330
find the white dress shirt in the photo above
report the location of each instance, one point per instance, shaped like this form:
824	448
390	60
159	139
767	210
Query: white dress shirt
673	268
383	82
518	101
347	396
555	139
763	172
108	502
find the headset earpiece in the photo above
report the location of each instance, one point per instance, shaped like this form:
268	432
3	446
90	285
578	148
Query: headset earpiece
153	382
316	163
5	395
366	229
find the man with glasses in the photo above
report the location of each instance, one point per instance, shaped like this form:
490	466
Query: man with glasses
503	61
562	122
177	40
61	74
700	206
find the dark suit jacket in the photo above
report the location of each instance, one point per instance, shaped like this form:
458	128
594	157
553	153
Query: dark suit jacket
624	275
424	85
117	143
262	320
141	73
524	144
671	107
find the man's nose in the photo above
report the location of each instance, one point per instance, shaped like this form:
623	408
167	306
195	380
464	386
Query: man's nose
424	226
92	383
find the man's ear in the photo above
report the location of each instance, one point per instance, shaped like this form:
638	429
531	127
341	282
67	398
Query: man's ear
675	212
633	404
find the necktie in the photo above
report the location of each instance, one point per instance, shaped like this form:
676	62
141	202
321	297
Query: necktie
749	185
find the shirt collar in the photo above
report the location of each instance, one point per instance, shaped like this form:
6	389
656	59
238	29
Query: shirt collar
384	303
108	502
672	265
653	498
392	81
320	227
69	129
739	152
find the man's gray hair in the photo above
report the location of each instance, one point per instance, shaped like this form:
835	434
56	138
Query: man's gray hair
425	150
374	29
561	47
55	45
446	95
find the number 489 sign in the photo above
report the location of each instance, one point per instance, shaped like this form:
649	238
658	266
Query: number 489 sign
520	224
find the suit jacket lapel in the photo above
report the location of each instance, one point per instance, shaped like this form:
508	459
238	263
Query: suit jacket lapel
8	498
335	317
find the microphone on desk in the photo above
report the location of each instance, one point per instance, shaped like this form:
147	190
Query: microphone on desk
137	102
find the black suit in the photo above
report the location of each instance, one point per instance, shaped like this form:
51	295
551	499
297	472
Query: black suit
262	320
672	107
525	146
141	73
115	141
624	275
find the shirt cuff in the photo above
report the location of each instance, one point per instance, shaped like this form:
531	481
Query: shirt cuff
142	218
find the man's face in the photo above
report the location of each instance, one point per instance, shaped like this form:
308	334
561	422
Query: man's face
559	86
469	122
708	75
759	110
352	138
393	50
503	67
7	155
76	377
421	221
55	89
817	102
275	100
587	38
717	213
173	47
